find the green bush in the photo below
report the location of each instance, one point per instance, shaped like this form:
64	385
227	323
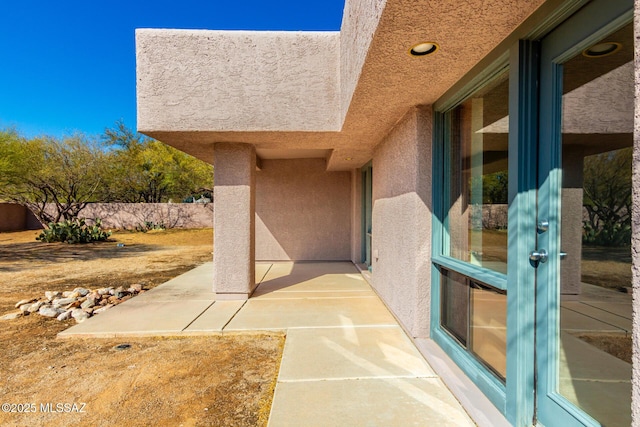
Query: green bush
74	232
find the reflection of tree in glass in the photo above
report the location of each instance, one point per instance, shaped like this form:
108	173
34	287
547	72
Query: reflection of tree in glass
607	198
495	188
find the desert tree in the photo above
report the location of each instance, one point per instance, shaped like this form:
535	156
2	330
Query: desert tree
146	170
54	178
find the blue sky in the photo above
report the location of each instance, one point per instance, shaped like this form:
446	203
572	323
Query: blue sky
69	65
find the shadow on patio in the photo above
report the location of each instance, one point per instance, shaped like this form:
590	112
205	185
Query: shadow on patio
346	360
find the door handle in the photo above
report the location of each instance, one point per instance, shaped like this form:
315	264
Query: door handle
538	256
543	226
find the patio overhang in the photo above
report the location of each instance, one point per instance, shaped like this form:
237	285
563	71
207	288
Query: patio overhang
339	93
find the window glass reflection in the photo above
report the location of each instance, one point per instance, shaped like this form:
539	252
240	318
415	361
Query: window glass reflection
478	170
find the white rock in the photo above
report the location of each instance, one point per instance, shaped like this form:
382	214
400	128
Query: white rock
80	315
48	311
88	303
25	301
62	301
135	288
74	304
70	294
35	306
52	295
105	291
102	309
25	308
82	291
65	316
11	316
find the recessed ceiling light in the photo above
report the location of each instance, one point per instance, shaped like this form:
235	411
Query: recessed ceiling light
348	158
423	48
602	49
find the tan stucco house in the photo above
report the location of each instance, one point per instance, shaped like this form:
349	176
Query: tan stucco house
396	142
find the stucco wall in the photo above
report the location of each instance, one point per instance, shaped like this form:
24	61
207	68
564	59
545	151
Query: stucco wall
118	215
303	212
131	215
635	226
192	80
359	23
402	220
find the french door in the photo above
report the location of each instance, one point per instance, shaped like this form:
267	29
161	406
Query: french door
586	109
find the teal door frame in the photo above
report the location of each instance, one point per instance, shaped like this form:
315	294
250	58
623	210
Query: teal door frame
586	27
515	397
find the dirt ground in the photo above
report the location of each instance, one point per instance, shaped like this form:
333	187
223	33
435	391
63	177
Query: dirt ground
222	381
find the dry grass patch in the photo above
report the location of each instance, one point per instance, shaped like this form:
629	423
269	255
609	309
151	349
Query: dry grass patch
223	381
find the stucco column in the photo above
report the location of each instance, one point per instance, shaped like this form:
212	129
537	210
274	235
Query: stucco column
234	220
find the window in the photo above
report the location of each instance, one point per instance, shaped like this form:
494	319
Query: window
478	185
472	260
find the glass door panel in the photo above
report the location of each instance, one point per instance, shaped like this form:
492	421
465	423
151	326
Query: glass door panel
595	241
583	288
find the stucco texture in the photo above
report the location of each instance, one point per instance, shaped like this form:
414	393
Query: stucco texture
237	80
302	211
336	91
401	228
233	220
359	22
635	227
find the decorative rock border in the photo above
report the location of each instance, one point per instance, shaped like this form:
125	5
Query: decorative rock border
79	304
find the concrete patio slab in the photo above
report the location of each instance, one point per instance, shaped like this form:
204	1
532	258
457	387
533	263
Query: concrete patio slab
173	293
603	315
215	318
595	381
312	294
346	359
164	310
593	293
195	284
278	314
580	360
312	277
609	404
624	309
366	402
135	318
261	270
351	353
576	322
326	283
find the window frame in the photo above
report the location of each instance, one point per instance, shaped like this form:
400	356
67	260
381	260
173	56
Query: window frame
488	382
